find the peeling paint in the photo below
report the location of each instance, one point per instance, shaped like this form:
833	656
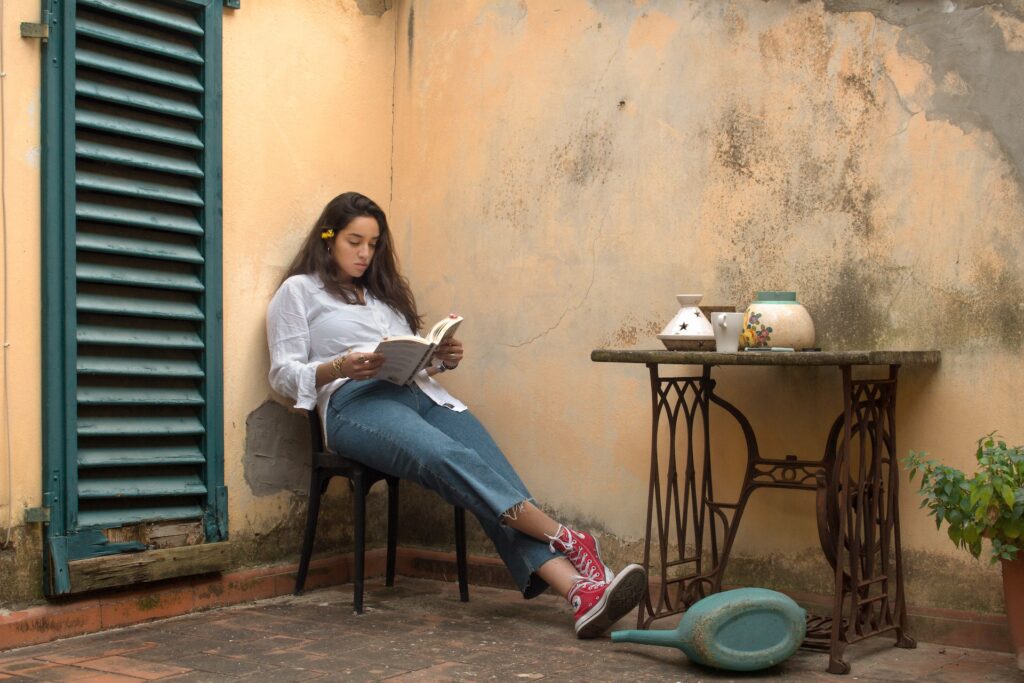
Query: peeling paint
375	8
21	568
277	450
971	50
631	331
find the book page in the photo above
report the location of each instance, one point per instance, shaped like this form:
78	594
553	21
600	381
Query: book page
403	358
443	330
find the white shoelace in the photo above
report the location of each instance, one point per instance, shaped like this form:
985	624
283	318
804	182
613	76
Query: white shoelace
577	555
581	582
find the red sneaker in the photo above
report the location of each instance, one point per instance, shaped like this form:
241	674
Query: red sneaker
583	551
599	605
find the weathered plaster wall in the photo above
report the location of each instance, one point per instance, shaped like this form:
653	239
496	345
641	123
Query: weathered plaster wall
307	114
562	169
20	409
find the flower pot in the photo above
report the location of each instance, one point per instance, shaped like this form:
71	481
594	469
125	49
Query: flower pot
1013	594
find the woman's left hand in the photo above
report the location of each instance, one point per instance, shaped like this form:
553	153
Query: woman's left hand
449	353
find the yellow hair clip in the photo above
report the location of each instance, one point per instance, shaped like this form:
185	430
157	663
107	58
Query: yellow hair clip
327	234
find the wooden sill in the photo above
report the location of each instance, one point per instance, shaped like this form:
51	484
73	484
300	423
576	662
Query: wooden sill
151	565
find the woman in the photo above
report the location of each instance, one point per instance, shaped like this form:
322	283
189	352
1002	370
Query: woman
342	294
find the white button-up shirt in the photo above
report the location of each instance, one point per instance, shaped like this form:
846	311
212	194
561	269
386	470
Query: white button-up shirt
307	326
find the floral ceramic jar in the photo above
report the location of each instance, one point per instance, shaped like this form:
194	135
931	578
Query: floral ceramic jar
776	319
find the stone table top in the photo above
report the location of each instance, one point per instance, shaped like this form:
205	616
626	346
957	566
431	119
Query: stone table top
810	358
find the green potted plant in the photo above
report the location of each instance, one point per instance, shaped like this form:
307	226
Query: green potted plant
987	505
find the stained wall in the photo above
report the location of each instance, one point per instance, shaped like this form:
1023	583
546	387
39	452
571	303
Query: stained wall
307	113
557	172
563	169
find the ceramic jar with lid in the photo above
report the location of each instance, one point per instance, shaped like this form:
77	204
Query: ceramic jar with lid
777	319
689	329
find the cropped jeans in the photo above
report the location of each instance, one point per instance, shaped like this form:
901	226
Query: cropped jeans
398	430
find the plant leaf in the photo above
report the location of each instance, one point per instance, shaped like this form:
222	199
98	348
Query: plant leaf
1007	492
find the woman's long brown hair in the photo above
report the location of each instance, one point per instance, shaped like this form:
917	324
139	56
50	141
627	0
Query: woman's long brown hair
382	279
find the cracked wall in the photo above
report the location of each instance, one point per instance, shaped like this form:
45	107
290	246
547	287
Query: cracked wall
562	170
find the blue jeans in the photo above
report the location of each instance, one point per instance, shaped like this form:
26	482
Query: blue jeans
398	430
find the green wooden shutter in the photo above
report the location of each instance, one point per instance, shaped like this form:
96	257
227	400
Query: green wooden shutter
132	297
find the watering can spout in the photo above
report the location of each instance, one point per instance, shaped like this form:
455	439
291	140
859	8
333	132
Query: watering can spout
662	638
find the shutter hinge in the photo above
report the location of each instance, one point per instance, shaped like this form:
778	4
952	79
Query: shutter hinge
233	4
40	30
41	514
38	515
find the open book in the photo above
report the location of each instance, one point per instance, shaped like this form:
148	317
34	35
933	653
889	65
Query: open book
406	355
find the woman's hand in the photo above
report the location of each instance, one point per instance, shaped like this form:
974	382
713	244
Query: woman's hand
361	365
449	353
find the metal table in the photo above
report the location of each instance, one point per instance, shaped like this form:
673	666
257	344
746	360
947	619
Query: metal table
856	482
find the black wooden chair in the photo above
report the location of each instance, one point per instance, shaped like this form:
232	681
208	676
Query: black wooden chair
326	465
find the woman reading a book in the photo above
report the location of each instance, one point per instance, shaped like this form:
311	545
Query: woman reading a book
342	295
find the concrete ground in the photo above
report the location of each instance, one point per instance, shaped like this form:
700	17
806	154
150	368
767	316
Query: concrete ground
419	631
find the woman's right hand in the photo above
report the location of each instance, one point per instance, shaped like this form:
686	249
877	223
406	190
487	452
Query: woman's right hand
361	365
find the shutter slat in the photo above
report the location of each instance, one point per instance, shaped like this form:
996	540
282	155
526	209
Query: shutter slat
137	99
137	396
120	125
138	366
99	182
139	426
136	456
137	41
129	246
115	305
136	157
114	518
143	487
121	336
148	13
119	215
136	70
137	277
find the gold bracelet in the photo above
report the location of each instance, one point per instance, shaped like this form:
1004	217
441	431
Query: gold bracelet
336	364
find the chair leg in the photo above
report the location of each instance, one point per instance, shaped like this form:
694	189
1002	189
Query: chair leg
359	520
312	514
460	553
392	530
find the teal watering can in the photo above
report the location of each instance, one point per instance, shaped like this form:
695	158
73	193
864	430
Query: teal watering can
740	630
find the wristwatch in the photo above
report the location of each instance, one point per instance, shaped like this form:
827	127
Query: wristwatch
440	367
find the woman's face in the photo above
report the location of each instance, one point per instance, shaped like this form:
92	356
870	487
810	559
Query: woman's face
354	247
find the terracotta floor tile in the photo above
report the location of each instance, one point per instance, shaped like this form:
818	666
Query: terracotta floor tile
445	671
226	666
23	665
419	631
59	673
138	668
93	650
285	676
